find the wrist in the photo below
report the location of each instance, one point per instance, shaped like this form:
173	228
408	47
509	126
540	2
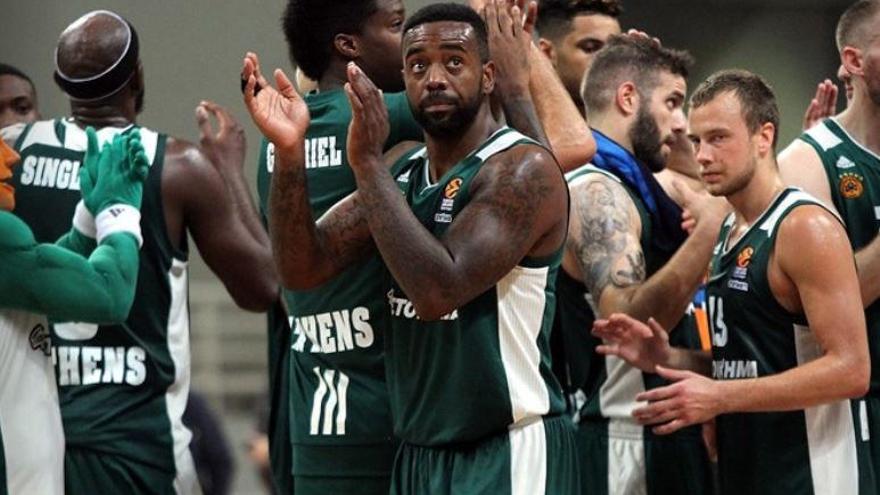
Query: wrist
117	218
84	221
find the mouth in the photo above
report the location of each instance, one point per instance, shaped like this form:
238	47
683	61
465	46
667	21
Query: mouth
710	177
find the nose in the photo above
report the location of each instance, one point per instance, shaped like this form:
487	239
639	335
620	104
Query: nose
702	154
679	121
436	77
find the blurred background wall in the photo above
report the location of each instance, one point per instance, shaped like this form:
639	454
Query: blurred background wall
193	50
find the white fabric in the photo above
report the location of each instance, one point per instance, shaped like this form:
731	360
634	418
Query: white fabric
30	418
119	218
84	221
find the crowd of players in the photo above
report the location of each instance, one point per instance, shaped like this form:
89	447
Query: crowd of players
502	260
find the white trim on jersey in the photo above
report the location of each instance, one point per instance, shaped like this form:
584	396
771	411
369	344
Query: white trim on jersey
853	141
831	436
626	465
185	481
823	135
528	459
522	301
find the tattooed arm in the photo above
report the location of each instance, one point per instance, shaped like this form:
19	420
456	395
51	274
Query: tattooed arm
603	242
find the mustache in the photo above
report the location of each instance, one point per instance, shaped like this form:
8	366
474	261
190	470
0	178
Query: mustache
437	99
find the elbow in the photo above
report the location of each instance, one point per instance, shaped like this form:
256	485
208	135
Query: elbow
577	153
258	297
860	377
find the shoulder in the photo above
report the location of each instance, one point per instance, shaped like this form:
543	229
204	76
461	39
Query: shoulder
528	165
14	233
799	154
810	233
11	133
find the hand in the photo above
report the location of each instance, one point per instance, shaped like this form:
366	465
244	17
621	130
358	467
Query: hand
369	127
509	43
701	209
116	174
691	399
640	345
280	114
226	147
823	105
636	34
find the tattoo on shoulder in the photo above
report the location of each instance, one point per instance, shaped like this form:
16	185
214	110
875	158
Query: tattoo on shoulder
607	250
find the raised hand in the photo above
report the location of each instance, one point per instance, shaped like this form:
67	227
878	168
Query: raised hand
116	174
226	147
369	127
701	209
279	112
509	45
691	399
823	104
640	345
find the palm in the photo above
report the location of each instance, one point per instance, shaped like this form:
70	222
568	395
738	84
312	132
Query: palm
281	119
640	345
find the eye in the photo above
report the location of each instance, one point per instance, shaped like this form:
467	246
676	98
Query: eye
591	46
455	62
416	66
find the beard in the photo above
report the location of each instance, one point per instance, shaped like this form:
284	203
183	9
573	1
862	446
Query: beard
450	124
645	137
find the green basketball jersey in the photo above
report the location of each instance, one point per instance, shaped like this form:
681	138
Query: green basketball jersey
122	388
811	451
340	416
854	176
485	367
604	387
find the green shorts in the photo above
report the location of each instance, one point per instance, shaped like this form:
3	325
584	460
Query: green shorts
319	485
623	458
87	472
866	419
534	459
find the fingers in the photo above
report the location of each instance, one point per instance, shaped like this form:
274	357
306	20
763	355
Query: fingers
285	87
531	17
250	97
656	395
258	73
671	427
674	375
656	413
366	91
91	140
203	121
657	329
630	324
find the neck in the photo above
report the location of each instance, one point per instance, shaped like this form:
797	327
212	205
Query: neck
102	115
752	200
861	119
445	152
334	77
615	128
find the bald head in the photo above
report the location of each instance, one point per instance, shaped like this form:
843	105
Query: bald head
92	44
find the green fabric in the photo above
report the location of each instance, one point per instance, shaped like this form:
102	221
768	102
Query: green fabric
448	379
91	473
280	449
325	485
484	467
50	280
335	348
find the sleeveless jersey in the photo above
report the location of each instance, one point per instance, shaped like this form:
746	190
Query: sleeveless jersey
811	451
32	441
854	176
485	367
122	388
604	387
340	416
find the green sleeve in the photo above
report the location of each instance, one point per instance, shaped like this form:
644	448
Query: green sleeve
403	125
50	280
77	242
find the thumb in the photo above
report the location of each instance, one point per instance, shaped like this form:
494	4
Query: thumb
685	193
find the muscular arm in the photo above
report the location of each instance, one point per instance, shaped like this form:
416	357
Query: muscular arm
517	209
604	237
193	188
567	131
800	165
830	300
47	279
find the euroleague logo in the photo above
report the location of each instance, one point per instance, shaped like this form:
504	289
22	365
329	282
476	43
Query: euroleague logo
452	188
851	186
744	257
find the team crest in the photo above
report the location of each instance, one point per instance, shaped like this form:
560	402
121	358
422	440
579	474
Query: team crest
452	188
851	185
40	339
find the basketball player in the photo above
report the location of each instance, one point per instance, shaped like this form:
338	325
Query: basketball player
473	245
123	387
18	98
789	343
837	161
55	280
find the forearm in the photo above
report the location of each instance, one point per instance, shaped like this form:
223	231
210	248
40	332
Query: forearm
666	294
244	206
868	265
419	263
521	114
826	379
567	131
75	241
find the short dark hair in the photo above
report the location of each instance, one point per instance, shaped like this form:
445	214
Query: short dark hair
630	58
454	12
554	16
756	97
8	70
310	27
851	26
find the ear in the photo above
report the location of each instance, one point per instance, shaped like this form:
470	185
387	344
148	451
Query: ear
548	49
852	61
488	77
346	46
136	84
627	98
764	139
